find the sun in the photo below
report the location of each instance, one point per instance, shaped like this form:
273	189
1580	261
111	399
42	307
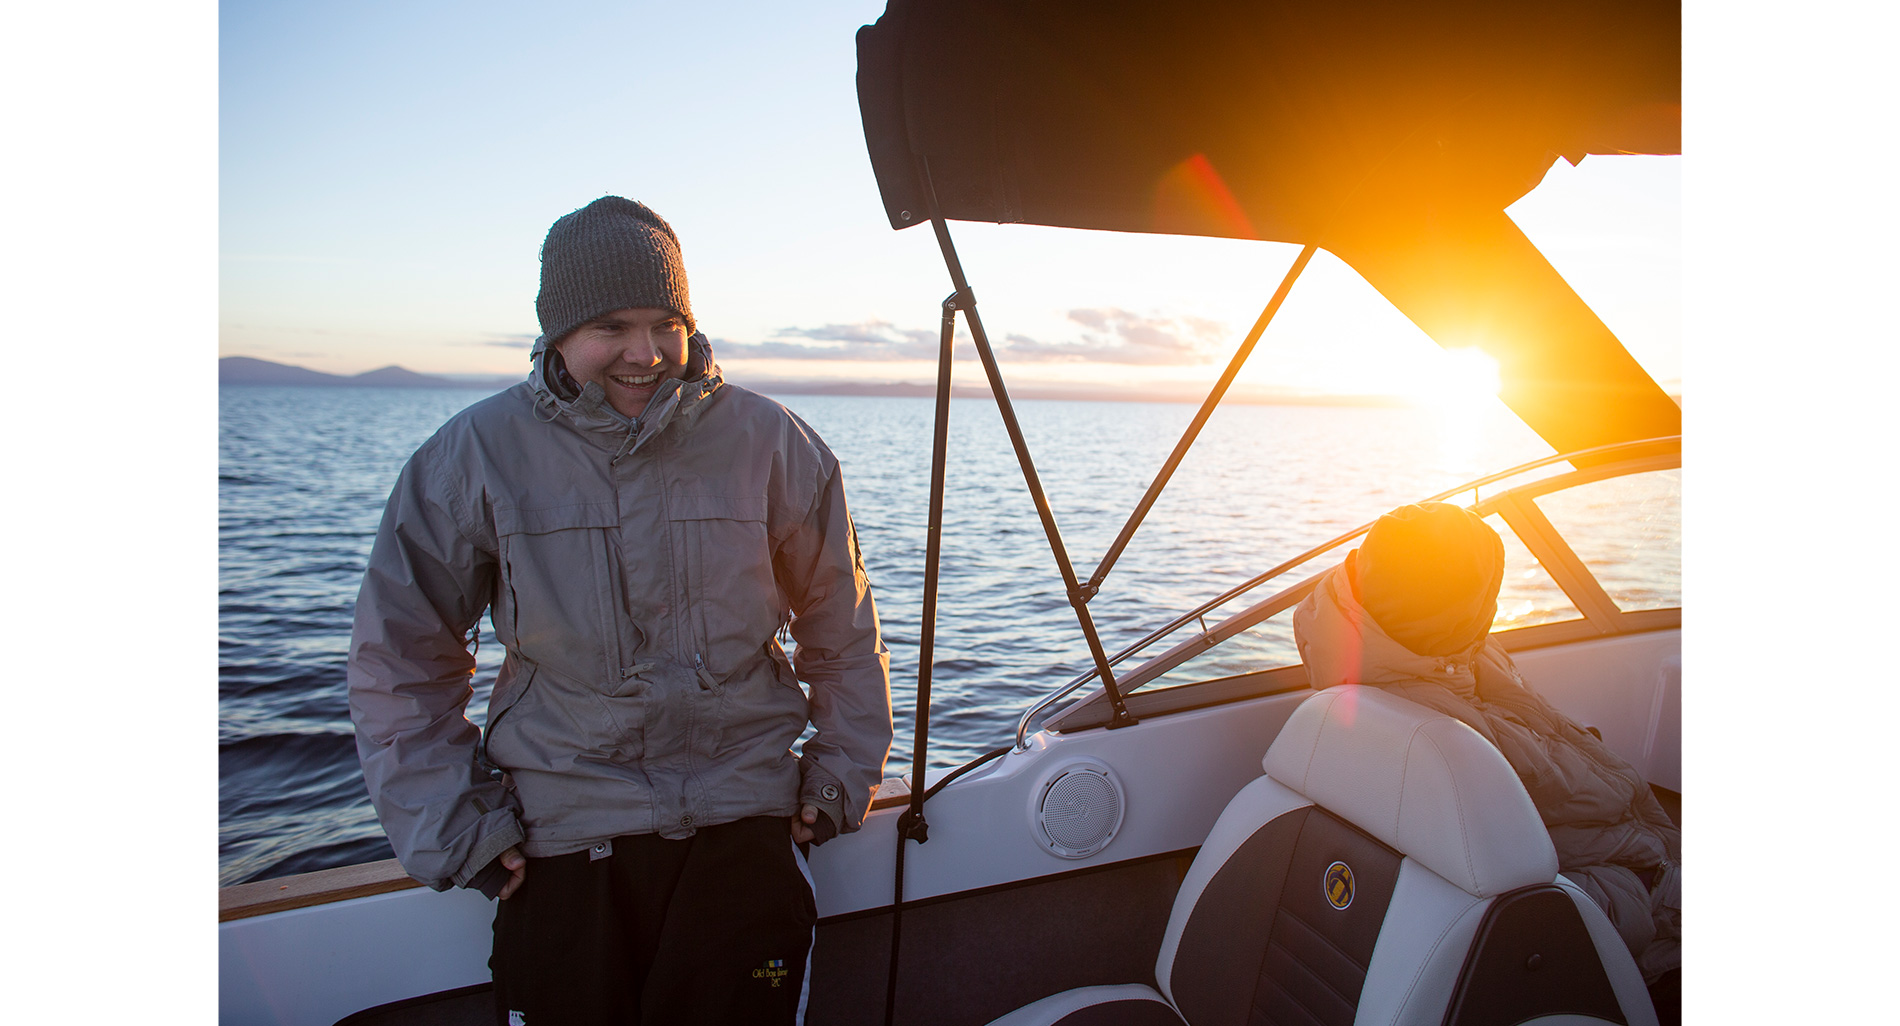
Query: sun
1459	387
1458	377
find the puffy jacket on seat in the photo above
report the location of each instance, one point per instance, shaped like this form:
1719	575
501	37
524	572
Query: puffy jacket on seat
1607	826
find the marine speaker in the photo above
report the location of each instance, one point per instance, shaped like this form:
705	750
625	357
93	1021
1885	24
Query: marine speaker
1078	809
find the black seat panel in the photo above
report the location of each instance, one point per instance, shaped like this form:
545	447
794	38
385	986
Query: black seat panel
1339	883
1217	960
1284	931
1533	956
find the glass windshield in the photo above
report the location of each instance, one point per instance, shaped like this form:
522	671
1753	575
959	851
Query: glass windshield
1263	646
1628	531
1529	595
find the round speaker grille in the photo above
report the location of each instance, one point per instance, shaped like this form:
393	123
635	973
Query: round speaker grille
1080	810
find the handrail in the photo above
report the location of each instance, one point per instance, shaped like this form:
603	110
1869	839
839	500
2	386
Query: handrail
1631	449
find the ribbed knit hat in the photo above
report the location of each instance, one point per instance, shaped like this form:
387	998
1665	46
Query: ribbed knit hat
609	255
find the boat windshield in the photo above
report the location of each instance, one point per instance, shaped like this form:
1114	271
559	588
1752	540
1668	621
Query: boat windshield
1588	553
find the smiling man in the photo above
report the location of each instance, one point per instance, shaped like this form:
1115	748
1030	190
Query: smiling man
639	532
627	353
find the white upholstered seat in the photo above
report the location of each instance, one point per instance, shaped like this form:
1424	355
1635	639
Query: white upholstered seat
1388	869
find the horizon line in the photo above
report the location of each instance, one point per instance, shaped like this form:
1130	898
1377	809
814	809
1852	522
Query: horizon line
397	376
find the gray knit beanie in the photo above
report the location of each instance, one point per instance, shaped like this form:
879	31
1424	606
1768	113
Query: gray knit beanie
609	255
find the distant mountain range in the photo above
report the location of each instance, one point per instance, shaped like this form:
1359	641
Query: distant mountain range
243	370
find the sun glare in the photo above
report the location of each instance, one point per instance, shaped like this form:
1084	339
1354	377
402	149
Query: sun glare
1461	390
1460	376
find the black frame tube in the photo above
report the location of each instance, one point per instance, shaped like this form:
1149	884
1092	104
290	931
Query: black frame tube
933	554
912	825
1194	429
1078	599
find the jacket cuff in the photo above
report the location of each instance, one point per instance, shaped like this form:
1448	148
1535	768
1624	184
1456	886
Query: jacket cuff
825	792
489	848
491	879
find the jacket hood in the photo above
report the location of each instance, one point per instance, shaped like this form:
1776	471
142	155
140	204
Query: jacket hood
588	405
1341	643
1429	574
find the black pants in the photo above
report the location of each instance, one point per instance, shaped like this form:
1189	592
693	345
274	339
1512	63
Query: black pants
714	928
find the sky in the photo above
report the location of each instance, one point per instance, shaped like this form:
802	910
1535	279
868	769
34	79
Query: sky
388	171
133	173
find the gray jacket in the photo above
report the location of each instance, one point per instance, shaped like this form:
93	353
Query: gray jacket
637	574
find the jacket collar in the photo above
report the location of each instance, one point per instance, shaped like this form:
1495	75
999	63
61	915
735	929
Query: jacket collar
1341	643
677	399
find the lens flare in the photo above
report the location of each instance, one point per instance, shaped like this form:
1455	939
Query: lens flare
1464	375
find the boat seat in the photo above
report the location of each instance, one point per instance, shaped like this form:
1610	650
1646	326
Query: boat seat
1388	869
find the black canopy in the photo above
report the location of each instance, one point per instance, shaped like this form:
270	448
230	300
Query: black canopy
1393	134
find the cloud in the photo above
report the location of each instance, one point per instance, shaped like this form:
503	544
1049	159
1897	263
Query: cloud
1107	335
869	333
506	341
1113	335
867	340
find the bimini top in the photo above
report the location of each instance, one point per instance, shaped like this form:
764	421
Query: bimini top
1392	133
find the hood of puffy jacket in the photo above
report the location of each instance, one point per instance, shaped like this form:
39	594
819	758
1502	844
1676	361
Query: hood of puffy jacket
1341	643
1597	806
1429	574
588	407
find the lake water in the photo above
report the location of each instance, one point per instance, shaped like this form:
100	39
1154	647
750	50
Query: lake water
304	472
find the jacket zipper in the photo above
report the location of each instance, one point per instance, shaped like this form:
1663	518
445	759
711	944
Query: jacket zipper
633	436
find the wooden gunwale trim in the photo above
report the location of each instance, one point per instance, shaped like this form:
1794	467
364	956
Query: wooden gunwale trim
262	897
890	795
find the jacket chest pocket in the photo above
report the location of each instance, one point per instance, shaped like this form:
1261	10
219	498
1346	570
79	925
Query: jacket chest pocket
726	552
554	601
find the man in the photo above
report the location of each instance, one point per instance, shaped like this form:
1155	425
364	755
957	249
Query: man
639	533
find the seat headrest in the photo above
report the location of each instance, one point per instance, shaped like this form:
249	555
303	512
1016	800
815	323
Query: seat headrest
1419	781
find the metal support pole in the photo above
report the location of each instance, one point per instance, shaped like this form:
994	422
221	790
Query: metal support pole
1194	429
911	826
1078	598
912	823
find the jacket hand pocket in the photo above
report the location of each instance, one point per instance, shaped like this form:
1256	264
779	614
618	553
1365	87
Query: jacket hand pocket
556	583
504	702
732	593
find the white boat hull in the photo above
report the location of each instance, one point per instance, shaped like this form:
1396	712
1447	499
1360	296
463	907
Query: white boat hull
312	966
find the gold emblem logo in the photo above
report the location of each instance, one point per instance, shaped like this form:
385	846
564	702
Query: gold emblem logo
1339	885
